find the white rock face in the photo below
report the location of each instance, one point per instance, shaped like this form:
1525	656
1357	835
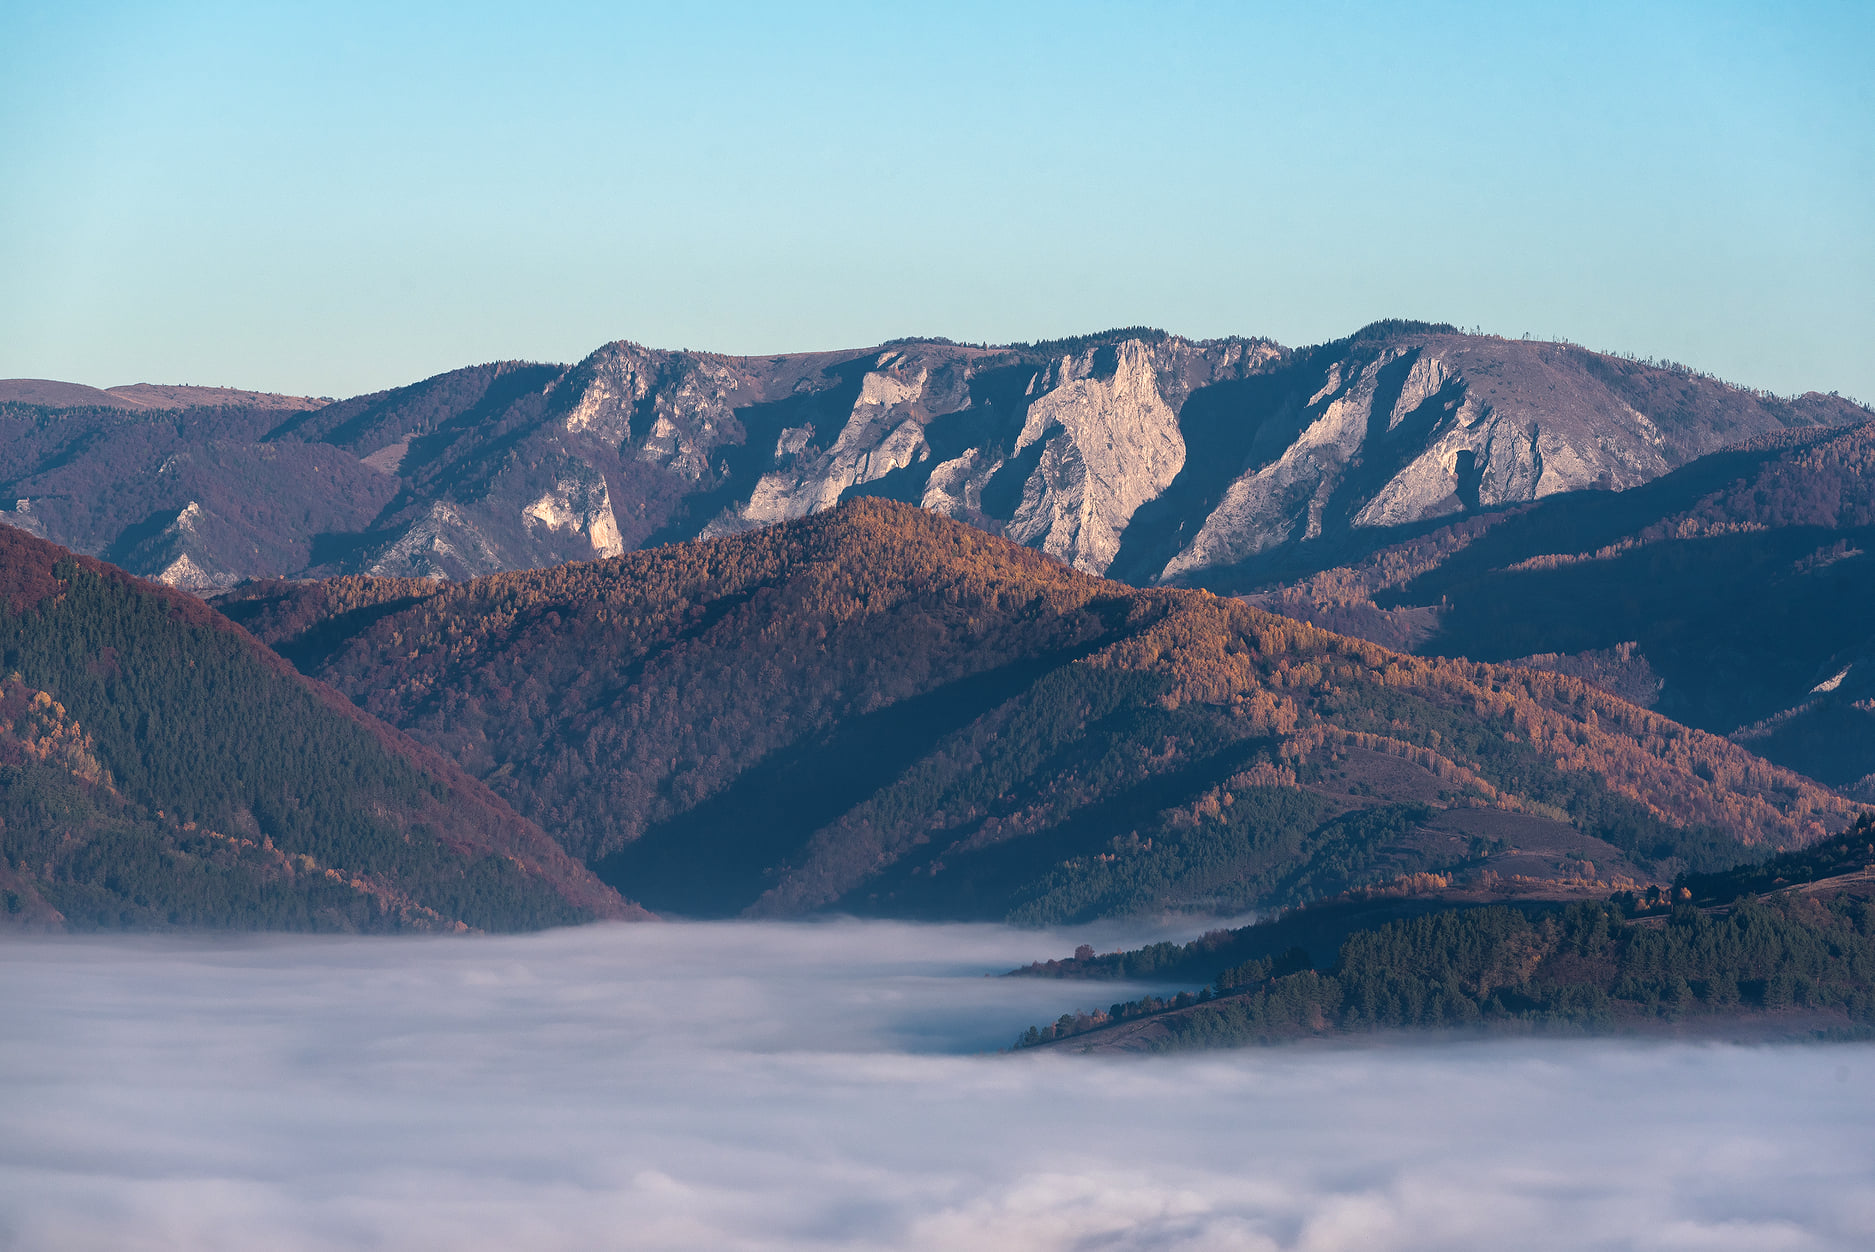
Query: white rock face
22	516
179	555
610	384
444	543
1399	432
1428	486
1424	381
1830	684
956	486
881	434
1517	457
1502	421
1462	422
579	504
1285	500
1110	445
681	404
185	575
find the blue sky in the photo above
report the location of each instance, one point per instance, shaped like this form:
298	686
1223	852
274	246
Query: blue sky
336	198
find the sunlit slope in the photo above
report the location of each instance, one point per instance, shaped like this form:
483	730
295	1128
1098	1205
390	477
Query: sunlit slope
159	767
877	709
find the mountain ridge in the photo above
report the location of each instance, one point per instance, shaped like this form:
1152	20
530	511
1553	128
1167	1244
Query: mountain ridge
51	393
1731	594
875	708
159	766
1223	463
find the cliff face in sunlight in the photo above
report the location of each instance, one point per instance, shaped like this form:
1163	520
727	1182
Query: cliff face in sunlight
1133	453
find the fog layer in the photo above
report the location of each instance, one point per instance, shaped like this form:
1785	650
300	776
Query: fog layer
814	1086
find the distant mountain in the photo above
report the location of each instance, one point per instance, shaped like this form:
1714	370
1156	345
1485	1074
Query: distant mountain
159	767
1136	454
44	391
882	710
1736	595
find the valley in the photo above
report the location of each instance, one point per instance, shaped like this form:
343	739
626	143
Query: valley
935	632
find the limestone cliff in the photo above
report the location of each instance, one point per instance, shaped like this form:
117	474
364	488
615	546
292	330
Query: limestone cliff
1134	454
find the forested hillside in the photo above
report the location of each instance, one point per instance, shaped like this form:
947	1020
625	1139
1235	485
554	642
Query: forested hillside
877	709
1780	949
1734	595
158	767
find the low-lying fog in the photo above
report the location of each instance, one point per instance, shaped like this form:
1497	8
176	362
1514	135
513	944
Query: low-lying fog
814	1086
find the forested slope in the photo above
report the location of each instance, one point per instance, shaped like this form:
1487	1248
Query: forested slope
881	710
158	767
1783	948
1735	595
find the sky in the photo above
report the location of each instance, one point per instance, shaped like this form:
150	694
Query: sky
825	1086
333	198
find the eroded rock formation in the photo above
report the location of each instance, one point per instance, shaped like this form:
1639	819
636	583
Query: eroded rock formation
1137	455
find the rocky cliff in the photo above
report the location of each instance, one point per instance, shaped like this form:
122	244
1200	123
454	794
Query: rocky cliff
1134	454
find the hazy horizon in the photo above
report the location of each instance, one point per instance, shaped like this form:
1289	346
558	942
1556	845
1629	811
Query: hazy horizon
333	200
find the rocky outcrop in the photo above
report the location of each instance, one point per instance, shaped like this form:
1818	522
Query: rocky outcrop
22	516
184	553
664	409
1430	425
1076	441
1109	444
881	433
579	504
1288	499
443	543
1134	454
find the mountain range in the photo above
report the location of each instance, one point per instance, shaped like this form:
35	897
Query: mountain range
1133	453
878	709
931	630
1735	594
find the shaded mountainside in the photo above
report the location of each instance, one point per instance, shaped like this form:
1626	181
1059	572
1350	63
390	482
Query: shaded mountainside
880	710
1132	453
1735	595
159	767
1779	949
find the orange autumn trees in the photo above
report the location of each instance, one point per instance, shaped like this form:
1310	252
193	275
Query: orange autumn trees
879	709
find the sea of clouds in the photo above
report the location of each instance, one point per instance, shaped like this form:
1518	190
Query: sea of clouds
749	1086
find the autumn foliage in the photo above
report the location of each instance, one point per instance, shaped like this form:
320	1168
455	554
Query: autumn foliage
881	709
